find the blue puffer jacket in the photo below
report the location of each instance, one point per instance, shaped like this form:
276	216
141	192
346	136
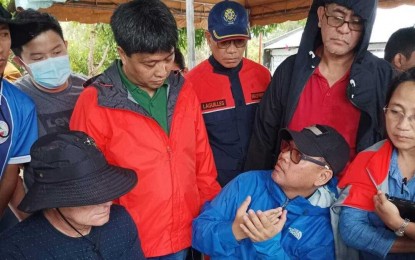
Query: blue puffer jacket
307	234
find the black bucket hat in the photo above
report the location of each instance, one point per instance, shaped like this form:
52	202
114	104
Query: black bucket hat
321	141
70	171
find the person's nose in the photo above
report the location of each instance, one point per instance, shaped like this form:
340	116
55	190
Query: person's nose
344	28
3	49
162	70
404	123
232	48
285	156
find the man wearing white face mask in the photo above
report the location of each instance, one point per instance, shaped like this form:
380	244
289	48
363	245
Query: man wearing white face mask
42	51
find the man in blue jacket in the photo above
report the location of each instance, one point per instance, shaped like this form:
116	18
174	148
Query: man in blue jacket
279	214
332	80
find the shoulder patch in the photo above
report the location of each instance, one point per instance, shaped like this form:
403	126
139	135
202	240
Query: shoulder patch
257	95
213	104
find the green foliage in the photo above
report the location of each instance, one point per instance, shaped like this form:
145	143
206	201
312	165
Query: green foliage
89	41
8	5
257	30
199	38
283	28
5	3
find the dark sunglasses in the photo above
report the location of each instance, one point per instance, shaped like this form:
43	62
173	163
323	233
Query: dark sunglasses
239	43
296	156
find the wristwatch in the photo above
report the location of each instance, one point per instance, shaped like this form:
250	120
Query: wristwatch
401	230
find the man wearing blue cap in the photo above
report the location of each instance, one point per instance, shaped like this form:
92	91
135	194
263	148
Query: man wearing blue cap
229	88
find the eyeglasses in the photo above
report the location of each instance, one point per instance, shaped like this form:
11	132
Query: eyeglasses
397	115
239	43
296	156
338	21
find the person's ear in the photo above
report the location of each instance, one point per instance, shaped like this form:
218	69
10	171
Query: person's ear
208	38
122	54
398	61
320	14
66	44
323	177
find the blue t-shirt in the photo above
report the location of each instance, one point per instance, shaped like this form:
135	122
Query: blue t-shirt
18	126
35	238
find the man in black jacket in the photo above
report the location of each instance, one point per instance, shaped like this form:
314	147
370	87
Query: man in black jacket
332	80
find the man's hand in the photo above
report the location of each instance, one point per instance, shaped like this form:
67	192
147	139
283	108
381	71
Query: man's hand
273	215
387	211
240	213
258	227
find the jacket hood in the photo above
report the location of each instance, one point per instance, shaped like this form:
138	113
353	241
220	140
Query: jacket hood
366	9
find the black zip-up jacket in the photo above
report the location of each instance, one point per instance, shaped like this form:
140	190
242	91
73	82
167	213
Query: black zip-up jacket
368	84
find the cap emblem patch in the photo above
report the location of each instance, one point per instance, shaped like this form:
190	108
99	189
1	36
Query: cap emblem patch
229	16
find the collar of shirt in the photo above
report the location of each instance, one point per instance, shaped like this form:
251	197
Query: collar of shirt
135	91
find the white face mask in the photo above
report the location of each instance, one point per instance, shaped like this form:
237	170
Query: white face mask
52	72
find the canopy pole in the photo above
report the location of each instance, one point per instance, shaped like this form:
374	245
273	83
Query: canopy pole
190	29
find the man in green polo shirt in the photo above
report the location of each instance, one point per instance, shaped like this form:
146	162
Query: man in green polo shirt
145	118
153	101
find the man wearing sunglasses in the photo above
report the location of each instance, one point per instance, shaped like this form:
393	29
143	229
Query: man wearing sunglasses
279	214
229	88
332	80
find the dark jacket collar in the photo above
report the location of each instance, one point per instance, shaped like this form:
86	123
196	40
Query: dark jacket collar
218	68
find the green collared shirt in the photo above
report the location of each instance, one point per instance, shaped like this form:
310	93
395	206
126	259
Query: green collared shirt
156	106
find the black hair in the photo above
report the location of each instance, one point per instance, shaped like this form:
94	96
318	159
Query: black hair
401	41
144	26
35	23
179	59
405	76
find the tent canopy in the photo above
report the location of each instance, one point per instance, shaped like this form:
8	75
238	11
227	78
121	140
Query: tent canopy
261	12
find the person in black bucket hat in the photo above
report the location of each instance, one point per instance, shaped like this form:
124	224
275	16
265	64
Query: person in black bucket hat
282	213
71	204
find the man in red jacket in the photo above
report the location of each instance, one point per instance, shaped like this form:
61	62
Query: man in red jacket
145	118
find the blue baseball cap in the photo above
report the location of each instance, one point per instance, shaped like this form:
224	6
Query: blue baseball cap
228	20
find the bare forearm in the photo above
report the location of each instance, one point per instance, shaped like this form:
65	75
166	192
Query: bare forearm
8	185
17	197
410	231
